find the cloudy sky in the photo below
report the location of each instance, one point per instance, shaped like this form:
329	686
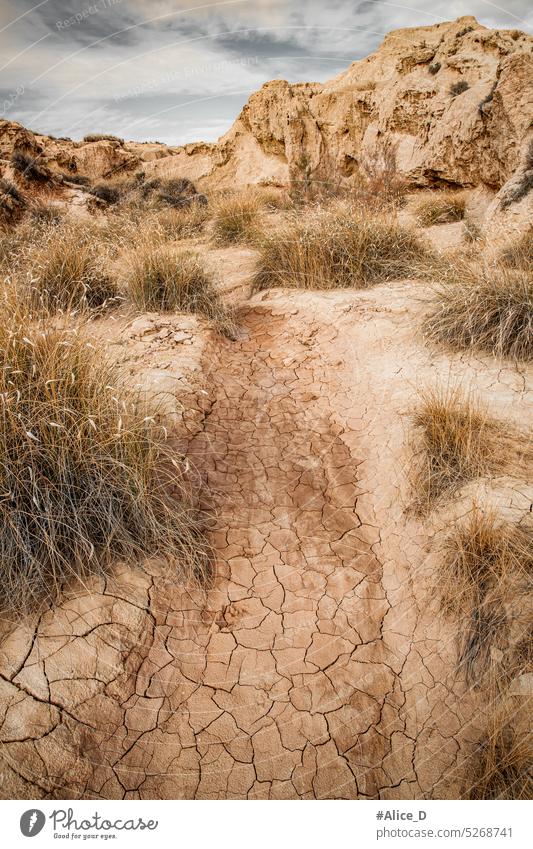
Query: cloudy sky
180	71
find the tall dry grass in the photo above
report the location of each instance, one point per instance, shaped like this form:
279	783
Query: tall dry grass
484	306
86	472
485	579
66	271
337	247
500	766
519	253
441	207
163	279
459	441
236	219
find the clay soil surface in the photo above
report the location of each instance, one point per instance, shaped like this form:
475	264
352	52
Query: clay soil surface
318	664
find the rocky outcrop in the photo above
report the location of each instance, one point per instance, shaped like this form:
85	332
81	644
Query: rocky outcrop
102	158
452	102
448	105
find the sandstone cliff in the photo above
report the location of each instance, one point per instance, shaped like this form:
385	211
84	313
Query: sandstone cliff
452	104
454	101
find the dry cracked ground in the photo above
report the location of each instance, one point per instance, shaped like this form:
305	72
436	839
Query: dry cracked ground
318	665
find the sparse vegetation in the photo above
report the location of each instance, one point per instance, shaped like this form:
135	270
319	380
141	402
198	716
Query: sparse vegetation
519	253
458	88
501	766
434	68
486	103
484	306
339	247
95	137
485	575
28	166
440	208
77	179
464	31
108	193
236	219
165	280
382	186
85	474
67	273
459	441
12	203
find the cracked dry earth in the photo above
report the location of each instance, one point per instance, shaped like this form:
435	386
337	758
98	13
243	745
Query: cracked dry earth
317	665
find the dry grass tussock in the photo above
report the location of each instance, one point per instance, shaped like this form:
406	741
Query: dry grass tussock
86	474
94	137
166	280
440	208
236	219
66	271
337	247
271	198
460	441
486	306
519	253
16	243
501	764
485	579
184	223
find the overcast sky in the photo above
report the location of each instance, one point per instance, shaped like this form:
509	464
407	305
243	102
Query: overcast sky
180	71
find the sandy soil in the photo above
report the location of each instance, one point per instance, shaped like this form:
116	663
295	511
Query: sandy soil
318	665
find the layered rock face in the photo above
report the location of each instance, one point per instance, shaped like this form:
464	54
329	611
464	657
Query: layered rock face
101	158
449	105
452	103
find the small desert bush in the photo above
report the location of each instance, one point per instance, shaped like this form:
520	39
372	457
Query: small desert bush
12	203
459	441
383	185
501	764
164	280
86	475
471	230
434	68
236	219
108	193
177	193
484	306
44	214
337	248
458	88
181	223
94	137
440	208
67	272
28	166
480	552
519	253
9	190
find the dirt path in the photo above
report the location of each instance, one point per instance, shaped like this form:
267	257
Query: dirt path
317	666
